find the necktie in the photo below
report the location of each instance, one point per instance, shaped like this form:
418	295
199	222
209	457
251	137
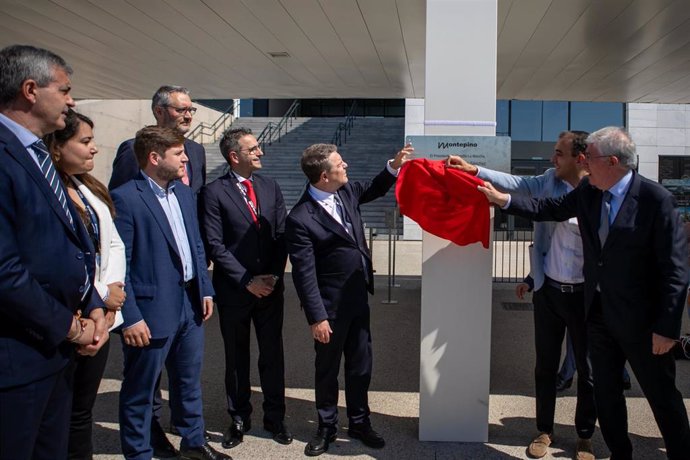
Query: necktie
341	213
251	201
605	217
185	177
46	165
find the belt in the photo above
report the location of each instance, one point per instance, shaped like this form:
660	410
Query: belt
565	288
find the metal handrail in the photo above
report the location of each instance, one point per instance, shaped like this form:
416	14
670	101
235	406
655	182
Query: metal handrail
344	127
274	131
204	129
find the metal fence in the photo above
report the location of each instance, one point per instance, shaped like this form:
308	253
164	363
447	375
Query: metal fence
512	240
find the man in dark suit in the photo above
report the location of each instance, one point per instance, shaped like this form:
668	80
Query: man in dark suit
169	296
47	262
636	278
172	108
332	271
242	217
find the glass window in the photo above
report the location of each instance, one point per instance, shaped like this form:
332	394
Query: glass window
555	120
525	120
590	116
502	118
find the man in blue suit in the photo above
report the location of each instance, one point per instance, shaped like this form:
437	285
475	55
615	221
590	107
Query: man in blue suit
172	108
169	295
332	272
242	217
46	262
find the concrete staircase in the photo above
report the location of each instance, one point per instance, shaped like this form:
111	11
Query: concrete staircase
371	142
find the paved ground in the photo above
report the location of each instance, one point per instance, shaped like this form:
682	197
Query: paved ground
394	397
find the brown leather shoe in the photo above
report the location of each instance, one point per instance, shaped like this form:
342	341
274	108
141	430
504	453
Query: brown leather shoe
583	450
540	445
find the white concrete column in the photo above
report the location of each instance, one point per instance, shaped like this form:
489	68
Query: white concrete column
460	99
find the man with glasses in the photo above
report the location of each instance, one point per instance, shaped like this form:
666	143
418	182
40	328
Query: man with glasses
242	217
636	278
172	108
556	277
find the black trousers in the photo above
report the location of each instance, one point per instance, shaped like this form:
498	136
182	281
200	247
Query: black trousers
87	375
235	325
34	418
352	338
656	375
554	311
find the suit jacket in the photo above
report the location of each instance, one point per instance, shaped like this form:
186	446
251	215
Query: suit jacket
155	279
239	250
546	185
125	166
642	267
326	262
42	270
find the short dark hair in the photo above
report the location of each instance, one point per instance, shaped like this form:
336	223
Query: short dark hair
19	63
231	141
162	96
579	137
315	160
155	139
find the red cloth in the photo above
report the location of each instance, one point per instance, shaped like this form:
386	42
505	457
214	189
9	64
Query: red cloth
443	201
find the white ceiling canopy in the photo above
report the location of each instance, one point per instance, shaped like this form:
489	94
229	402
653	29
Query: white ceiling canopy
593	50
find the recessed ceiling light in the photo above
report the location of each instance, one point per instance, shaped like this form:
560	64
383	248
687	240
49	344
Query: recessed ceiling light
278	54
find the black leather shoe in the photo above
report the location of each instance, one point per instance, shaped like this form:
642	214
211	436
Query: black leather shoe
173	430
235	433
204	452
365	433
281	434
562	385
161	445
319	443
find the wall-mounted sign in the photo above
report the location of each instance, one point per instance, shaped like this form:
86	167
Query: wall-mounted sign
487	151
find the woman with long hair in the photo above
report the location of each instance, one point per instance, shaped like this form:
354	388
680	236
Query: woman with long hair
73	150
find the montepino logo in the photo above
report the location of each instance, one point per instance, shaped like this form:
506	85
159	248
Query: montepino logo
462	145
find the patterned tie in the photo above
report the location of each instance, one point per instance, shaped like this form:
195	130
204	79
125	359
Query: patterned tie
604	222
51	176
251	201
344	221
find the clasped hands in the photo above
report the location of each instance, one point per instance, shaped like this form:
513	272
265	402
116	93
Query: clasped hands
89	334
262	285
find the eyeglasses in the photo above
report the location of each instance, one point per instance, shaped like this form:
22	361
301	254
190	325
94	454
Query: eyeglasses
254	149
183	110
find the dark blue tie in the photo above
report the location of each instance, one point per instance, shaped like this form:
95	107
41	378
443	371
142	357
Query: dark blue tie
51	176
605	217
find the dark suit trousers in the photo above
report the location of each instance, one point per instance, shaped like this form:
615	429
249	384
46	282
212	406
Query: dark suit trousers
34	418
88	371
235	325
656	375
351	337
554	311
182	354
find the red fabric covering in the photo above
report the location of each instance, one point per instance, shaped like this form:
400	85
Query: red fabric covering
444	202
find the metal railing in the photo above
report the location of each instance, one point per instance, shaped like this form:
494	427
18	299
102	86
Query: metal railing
274	131
344	127
204	133
511	245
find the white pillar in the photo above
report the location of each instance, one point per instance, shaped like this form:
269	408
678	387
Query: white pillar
460	99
